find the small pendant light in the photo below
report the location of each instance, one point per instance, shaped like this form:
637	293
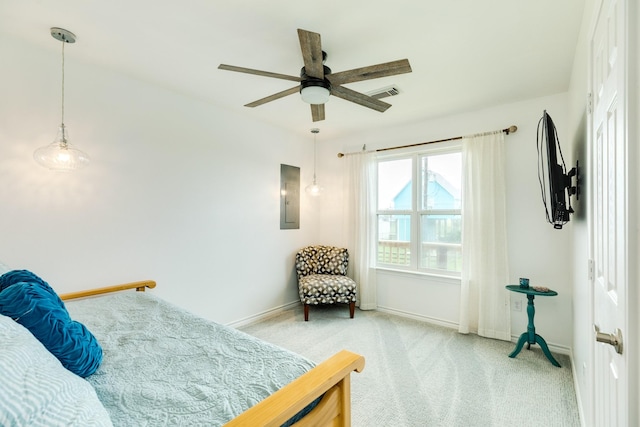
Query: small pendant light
314	189
60	155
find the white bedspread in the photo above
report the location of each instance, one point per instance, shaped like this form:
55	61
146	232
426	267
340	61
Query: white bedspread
165	366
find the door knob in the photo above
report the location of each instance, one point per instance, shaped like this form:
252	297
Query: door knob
611	339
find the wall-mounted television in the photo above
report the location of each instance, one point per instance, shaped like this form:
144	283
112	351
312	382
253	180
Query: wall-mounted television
555	182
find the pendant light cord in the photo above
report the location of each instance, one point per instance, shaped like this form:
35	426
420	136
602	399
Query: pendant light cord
314	131
63	43
314	157
313	188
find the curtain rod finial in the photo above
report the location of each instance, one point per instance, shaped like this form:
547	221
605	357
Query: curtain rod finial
511	129
340	155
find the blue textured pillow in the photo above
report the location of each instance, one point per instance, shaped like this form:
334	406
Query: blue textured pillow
18	276
43	313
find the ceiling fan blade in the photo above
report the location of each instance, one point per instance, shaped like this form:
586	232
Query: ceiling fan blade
311	53
371	72
273	97
359	98
317	112
257	72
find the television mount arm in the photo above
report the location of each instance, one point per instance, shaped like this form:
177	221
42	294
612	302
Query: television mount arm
575	189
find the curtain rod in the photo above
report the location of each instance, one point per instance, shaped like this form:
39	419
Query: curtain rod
510	129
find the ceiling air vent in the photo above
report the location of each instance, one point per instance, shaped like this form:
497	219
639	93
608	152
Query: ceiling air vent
384	92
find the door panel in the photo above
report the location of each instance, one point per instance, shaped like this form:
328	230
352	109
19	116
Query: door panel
609	223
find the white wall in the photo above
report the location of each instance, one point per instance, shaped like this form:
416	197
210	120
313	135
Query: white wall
178	190
637	232
536	249
577	127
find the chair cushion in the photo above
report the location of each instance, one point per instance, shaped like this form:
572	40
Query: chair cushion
326	289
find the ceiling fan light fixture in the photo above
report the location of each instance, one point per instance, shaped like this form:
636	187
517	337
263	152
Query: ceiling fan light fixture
315	91
317	83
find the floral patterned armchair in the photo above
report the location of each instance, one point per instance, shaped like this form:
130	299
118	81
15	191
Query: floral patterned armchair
322	277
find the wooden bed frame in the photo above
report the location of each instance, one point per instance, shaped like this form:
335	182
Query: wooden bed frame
331	378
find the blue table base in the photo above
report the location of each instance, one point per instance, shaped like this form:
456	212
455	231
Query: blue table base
530	337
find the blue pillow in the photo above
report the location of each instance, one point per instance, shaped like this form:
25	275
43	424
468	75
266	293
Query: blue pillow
42	312
17	276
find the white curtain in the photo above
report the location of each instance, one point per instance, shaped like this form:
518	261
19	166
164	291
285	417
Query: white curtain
484	302
360	225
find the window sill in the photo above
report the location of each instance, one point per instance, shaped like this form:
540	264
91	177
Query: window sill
419	274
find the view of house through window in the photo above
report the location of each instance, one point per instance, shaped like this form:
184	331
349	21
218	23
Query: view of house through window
419	212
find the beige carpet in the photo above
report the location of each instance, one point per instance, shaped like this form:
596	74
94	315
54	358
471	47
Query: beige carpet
418	374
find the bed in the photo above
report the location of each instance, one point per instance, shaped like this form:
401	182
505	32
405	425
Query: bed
162	365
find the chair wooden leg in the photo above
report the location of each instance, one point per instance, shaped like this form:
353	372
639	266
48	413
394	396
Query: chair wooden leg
352	308
306	312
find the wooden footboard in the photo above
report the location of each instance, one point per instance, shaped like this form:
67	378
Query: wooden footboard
330	380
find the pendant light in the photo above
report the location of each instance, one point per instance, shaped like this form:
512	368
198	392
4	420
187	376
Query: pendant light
60	155
314	189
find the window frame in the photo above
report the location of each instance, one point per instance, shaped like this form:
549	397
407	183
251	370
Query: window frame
416	212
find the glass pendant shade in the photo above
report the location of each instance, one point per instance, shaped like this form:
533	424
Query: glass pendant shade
60	155
314	189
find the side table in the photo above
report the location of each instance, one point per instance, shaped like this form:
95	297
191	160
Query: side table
530	337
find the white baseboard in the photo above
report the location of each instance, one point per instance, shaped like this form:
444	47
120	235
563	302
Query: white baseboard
263	315
420	317
576	386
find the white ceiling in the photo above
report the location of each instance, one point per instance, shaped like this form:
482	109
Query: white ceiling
465	54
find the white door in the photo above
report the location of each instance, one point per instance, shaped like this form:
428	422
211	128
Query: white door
609	225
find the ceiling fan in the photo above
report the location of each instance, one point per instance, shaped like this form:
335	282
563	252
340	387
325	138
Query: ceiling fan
317	82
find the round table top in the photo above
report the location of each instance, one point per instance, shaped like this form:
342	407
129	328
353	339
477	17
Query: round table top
530	291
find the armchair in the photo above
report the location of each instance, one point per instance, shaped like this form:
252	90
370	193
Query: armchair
322	277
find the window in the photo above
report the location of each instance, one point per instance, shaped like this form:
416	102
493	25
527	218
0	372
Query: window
419	211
